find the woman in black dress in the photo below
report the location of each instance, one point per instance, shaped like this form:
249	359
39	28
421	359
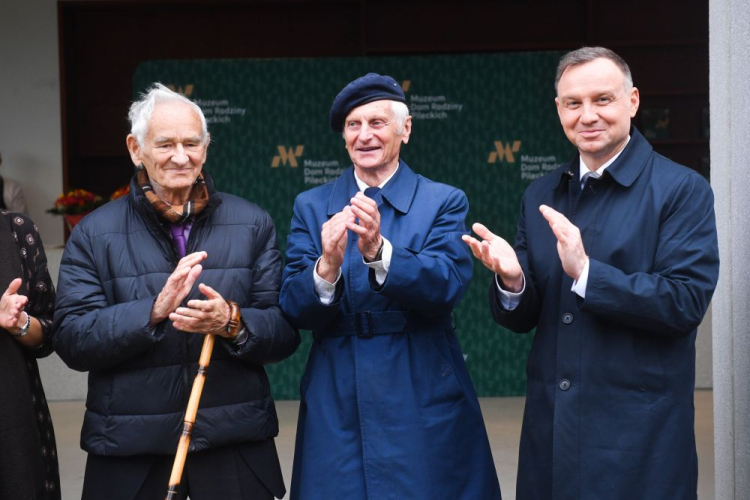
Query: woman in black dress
28	455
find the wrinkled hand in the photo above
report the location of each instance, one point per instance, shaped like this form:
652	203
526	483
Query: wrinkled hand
569	242
368	228
333	237
497	256
203	316
178	286
11	307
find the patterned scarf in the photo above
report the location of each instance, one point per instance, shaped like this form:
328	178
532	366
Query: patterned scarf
179	215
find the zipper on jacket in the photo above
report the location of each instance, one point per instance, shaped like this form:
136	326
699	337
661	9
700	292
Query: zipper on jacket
160	231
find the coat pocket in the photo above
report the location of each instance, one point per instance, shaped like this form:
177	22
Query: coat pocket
436	386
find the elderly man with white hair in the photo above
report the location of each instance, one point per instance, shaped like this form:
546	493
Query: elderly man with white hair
128	313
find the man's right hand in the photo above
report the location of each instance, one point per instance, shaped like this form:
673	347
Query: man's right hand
497	256
178	287
333	237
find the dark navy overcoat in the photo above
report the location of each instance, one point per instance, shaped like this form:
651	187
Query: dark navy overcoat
387	410
609	409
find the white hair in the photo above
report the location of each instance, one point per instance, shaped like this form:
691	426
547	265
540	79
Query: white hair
142	109
400	114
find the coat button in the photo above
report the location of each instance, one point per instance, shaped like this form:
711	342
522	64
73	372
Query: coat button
567	318
565	384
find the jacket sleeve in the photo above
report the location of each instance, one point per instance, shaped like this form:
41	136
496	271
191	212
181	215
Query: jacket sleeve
298	297
92	334
432	280
672	298
525	316
41	291
271	337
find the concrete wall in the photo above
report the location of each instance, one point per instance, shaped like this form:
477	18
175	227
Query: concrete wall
729	54
30	141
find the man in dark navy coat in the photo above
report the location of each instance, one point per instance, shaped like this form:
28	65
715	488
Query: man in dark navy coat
615	270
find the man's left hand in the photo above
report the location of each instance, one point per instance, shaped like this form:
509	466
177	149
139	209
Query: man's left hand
569	242
368	226
203	316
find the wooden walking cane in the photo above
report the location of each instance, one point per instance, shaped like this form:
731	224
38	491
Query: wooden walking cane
233	328
192	410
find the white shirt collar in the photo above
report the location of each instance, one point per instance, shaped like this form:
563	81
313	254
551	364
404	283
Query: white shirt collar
362	186
582	168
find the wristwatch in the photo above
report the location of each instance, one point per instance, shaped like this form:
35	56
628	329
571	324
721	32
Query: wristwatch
25	328
379	255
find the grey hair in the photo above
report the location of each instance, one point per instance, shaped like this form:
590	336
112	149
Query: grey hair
142	109
400	114
587	54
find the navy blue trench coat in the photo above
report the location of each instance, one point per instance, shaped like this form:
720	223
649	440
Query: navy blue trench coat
387	410
609	409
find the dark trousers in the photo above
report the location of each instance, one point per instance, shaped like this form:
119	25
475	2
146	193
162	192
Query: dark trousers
237	472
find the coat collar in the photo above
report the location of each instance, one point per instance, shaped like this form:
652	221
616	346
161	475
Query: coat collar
399	192
625	169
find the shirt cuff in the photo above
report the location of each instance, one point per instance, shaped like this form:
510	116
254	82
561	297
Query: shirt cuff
579	286
510	300
381	266
325	290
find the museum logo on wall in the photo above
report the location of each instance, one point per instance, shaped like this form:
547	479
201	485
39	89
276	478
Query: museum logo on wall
287	155
504	152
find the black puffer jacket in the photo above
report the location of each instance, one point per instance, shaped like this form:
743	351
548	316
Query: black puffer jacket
115	264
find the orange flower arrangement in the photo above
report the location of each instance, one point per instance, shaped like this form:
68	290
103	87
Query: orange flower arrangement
77	201
119	192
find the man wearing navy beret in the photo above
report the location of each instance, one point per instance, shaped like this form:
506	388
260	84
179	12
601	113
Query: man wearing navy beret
375	266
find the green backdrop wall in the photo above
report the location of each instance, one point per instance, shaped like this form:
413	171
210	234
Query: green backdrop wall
485	123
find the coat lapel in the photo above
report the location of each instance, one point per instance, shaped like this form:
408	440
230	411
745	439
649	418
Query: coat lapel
401	189
343	189
629	165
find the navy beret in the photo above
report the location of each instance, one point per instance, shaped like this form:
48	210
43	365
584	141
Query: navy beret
368	88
